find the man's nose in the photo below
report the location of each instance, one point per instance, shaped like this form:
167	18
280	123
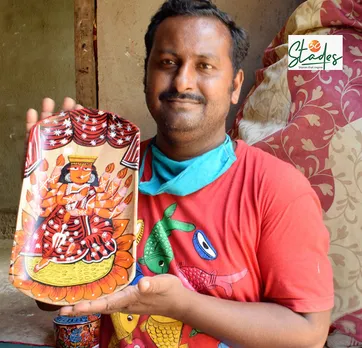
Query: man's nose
185	78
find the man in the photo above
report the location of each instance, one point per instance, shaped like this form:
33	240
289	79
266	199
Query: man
243	256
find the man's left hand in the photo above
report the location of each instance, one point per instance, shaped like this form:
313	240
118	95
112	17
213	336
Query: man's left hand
159	295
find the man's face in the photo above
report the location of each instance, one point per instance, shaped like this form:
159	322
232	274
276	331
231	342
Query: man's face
189	82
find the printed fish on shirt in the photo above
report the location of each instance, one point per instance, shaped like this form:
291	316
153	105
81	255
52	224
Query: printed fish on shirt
165	332
202	281
124	325
158	252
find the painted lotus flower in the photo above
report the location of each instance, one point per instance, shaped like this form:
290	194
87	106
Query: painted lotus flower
117	274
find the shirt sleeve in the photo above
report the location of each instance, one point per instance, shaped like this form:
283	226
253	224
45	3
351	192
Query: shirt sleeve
293	252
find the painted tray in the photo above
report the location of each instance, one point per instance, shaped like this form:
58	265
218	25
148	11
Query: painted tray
76	225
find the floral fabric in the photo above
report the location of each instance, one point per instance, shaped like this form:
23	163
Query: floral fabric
313	120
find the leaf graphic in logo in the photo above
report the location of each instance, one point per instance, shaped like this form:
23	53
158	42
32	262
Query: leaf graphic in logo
317	93
308	145
355	51
313	120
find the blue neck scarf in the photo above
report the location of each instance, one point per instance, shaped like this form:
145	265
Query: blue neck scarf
185	177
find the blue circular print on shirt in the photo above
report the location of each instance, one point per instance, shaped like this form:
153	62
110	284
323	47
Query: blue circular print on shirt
222	345
203	246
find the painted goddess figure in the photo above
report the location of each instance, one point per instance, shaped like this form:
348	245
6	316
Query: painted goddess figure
75	211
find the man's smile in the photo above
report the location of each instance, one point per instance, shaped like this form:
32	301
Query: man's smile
183	101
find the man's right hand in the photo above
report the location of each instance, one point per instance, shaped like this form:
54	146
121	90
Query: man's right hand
48	106
32	118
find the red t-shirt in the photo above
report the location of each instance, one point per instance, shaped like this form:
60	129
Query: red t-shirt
256	234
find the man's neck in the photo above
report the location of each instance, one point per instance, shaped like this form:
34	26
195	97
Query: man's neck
189	148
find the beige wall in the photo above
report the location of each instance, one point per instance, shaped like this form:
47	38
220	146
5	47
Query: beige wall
36	60
122	25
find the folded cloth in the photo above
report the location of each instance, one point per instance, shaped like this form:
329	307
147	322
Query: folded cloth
339	340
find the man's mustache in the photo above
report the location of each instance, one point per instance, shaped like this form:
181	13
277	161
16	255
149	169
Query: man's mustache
184	96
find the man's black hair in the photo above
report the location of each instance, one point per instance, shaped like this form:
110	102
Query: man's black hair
199	8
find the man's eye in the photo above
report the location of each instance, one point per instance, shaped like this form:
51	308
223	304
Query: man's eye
74	168
205	66
168	62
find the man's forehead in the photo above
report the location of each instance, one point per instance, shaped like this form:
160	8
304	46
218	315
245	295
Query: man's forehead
204	35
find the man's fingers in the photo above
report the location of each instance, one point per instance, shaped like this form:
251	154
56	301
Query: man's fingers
48	105
68	104
66	310
44	115
108	304
86	307
31	119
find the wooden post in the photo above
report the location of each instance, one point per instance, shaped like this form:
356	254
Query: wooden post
85	55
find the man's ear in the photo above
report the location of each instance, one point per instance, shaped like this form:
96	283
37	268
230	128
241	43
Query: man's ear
237	83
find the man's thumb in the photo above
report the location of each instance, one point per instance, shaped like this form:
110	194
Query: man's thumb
156	285
145	285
